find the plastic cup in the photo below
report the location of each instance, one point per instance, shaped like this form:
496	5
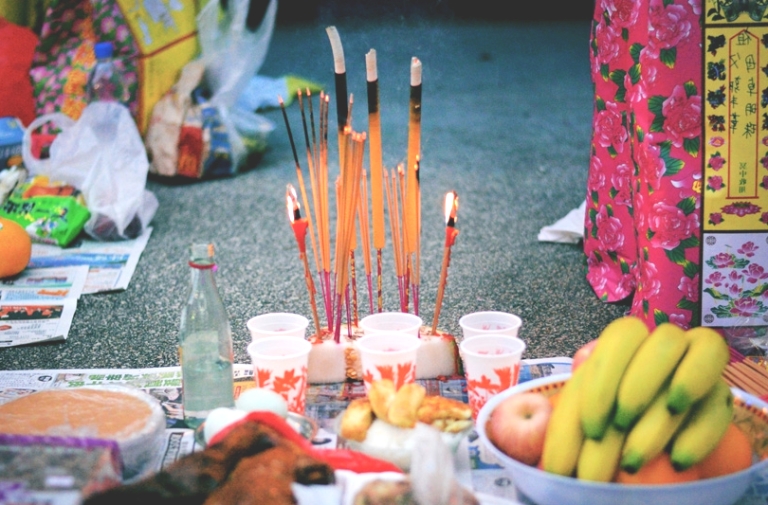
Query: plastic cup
280	364
388	356
391	321
490	322
278	324
491	365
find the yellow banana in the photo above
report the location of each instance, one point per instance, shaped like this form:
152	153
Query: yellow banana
700	368
704	428
564	436
599	459
615	347
650	435
650	367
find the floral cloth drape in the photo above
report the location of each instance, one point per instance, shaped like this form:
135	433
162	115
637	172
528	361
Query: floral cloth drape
642	224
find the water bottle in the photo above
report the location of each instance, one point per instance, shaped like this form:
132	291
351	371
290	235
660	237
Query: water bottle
205	342
104	81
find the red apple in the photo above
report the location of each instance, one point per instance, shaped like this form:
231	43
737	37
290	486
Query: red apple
518	425
582	353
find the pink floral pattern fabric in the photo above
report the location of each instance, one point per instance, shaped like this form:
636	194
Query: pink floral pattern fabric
642	225
65	55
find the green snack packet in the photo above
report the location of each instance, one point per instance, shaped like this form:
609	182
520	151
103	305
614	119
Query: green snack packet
51	213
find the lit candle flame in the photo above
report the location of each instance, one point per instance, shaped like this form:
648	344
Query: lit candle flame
451	208
292	204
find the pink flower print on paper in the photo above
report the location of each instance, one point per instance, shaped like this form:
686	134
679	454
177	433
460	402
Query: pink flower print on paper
746	307
715	183
669	25
755	273
717	141
722	260
715	218
716	161
764	161
734	290
107	24
670	225
764	217
609	231
748	249
741	209
715	279
682	115
764	184
649	284
622	13
735	276
609	129
689	287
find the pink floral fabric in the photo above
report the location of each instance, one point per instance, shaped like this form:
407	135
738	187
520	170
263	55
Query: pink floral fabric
642	224
65	55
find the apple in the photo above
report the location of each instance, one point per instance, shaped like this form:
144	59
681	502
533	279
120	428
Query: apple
518	425
582	353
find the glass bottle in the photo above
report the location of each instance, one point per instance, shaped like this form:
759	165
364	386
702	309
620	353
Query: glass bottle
105	82
205	342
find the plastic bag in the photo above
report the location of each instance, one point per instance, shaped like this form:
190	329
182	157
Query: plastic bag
102	155
233	53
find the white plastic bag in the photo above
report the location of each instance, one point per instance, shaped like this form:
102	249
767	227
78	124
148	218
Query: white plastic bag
101	154
232	54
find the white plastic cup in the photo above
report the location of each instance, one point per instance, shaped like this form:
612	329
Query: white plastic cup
491	365
391	321
388	356
490	322
278	324
281	364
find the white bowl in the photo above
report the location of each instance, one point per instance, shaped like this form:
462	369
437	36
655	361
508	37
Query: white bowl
549	489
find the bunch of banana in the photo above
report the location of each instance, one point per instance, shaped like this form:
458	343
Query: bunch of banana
640	393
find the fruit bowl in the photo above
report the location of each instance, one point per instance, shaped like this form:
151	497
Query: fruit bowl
543	488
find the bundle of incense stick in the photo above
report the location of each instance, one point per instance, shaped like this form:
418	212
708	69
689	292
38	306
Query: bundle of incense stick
400	190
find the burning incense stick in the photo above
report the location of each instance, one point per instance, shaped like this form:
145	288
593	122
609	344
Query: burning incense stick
311	166
340	71
375	151
365	237
451	211
299	226
412	186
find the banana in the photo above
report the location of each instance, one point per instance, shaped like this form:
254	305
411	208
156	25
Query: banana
652	432
650	367
700	368
599	459
616	345
704	428
564	436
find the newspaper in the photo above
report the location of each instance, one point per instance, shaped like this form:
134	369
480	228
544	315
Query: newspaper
111	264
38	305
475	467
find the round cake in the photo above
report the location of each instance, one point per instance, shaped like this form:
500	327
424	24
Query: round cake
127	415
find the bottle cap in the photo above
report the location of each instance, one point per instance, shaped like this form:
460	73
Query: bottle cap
103	50
202	255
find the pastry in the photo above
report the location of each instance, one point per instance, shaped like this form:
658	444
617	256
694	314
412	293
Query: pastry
402	410
357	419
381	394
445	414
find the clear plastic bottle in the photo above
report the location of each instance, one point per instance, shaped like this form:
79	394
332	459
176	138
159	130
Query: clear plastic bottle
205	342
104	82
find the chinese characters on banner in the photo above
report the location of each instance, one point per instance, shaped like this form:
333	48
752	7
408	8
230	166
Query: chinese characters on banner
735	158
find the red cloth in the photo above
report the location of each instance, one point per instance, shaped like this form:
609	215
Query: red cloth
17	47
338	459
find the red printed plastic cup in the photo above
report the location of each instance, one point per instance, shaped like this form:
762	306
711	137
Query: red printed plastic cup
388	356
491	365
280	364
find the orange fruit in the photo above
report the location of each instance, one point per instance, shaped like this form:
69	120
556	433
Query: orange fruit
554	399
732	454
659	470
15	248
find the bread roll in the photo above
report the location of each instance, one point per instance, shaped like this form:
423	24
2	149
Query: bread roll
402	410
356	420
